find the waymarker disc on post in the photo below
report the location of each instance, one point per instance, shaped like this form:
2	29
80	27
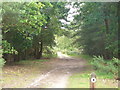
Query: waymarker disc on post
93	80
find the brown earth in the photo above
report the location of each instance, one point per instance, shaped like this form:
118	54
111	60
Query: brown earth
58	75
49	74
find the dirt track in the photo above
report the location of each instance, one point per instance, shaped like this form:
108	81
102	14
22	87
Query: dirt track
58	76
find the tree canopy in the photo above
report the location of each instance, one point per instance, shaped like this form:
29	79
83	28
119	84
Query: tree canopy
31	29
97	28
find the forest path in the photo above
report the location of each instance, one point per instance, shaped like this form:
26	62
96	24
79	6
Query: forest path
58	76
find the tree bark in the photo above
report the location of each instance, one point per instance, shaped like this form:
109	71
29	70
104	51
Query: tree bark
106	21
107	25
118	30
39	55
41	49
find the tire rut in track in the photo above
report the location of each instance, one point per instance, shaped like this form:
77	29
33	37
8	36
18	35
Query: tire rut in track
58	76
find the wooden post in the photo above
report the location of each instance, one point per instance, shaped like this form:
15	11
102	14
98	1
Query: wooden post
92	81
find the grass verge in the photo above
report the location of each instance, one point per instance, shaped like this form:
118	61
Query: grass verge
22	73
81	80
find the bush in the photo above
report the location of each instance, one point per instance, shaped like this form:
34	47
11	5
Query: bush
1	62
73	53
49	55
105	66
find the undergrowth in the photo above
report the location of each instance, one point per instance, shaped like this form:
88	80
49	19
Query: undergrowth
103	68
106	66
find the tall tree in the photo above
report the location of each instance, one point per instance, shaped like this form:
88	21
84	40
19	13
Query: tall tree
97	28
29	28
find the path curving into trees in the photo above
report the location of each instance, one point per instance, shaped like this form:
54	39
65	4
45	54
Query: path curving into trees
58	76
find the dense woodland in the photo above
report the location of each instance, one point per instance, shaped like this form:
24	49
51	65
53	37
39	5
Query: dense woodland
97	29
31	30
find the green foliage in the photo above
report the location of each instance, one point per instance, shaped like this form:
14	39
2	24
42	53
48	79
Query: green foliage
30	27
7	48
49	55
104	66
2	62
31	17
96	28
1	51
78	81
64	44
81	80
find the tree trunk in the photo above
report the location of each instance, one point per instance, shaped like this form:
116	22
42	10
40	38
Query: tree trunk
39	55
106	21
118	30
106	25
41	49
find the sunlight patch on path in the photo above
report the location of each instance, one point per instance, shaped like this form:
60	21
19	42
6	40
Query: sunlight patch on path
61	82
61	56
36	82
57	78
